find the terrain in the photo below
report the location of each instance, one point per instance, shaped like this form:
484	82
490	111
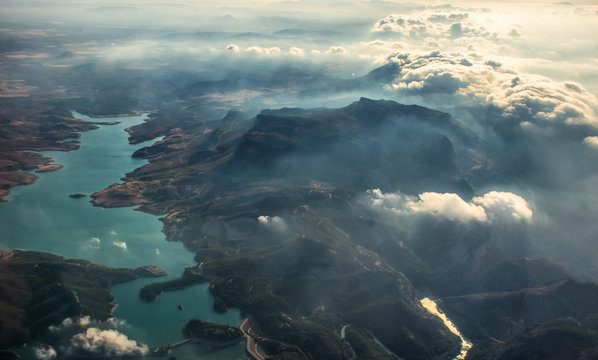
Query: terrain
327	166
26	129
273	208
41	289
211	334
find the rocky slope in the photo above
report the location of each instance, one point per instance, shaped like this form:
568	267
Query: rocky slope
271	207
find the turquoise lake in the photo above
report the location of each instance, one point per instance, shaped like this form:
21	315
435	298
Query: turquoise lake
42	217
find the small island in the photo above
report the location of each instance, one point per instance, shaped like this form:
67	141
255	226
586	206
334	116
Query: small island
207	333
77	196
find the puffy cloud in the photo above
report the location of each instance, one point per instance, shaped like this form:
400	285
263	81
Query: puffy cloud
514	33
591	141
451	18
263	50
120	244
504	206
530	98
273	222
432	24
402	25
69	323
45	353
336	50
105	343
233	48
85	337
493	206
447	205
94	242
296	51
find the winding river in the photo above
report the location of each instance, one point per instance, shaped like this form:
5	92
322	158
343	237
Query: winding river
42	217
433	309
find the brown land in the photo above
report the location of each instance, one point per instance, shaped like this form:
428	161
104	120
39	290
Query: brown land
35	126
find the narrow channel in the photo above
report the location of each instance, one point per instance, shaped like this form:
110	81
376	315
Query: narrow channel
432	308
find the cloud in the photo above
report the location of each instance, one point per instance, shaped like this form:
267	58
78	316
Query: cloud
233	48
504	206
514	33
432	24
296	51
273	222
472	81
493	206
401	25
45	353
336	50
448	19
94	243
69	323
113	233
110	343
263	50
86	337
591	141
120	244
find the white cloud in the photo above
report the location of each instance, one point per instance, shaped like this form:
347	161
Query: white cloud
273	222
473	81
233	48
504	206
94	242
109	343
263	50
493	206
45	353
336	50
68	322
591	141
432	24
113	233
157	251
296	51
120	244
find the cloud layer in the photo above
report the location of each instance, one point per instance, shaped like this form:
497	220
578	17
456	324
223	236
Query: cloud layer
110	343
86	337
470	80
432	24
494	206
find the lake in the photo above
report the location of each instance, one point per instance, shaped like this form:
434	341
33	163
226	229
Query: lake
42	217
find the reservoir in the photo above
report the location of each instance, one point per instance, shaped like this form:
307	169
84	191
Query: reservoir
42	217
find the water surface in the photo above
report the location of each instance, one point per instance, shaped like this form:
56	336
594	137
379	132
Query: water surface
42	217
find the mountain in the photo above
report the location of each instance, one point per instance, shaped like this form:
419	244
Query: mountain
272	205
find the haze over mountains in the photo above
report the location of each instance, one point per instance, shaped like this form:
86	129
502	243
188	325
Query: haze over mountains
330	165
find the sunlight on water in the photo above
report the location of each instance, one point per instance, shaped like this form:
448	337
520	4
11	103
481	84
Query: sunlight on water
432	308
